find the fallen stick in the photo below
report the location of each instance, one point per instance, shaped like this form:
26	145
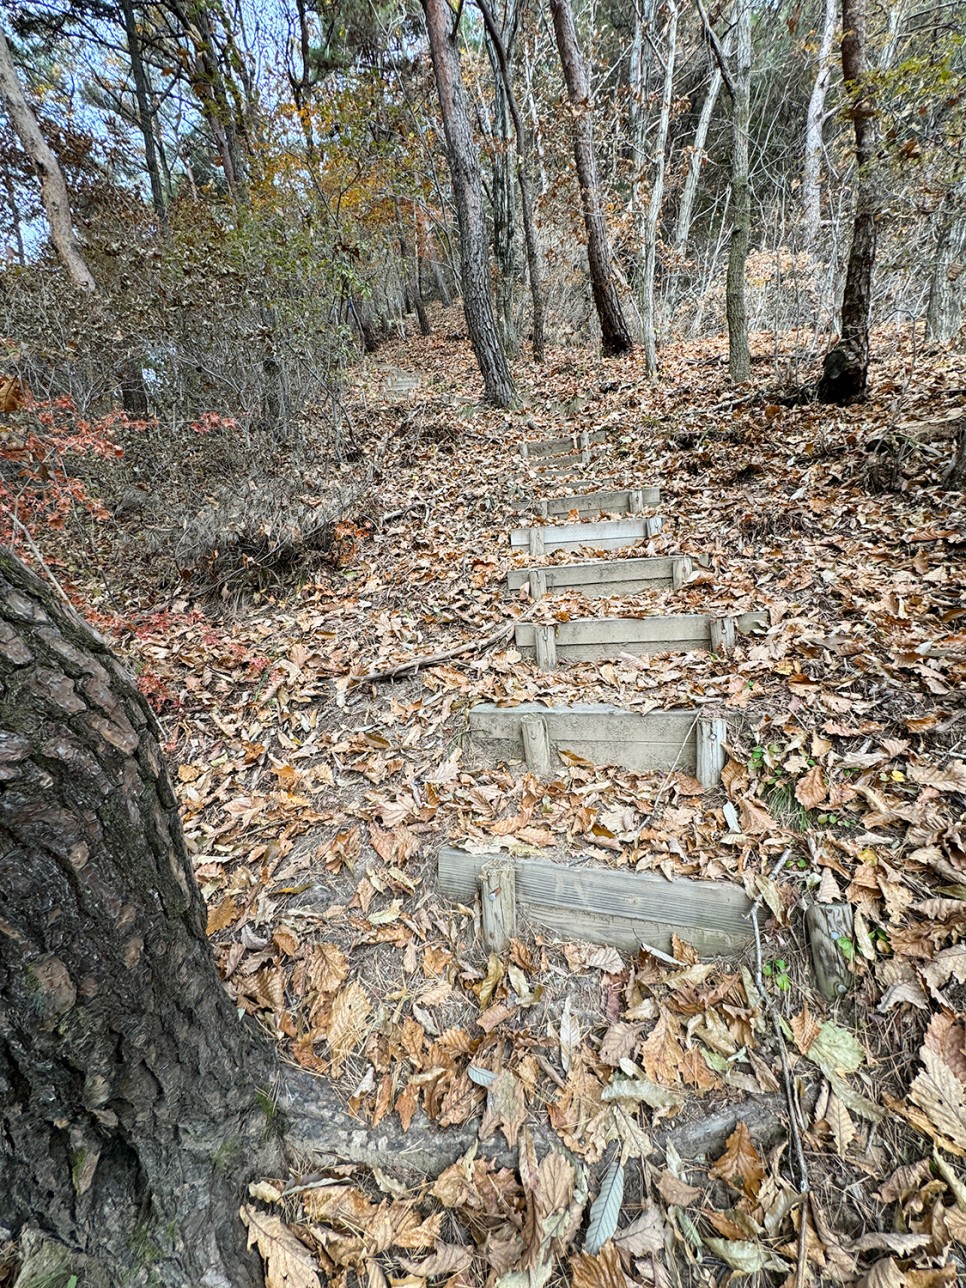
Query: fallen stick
447	655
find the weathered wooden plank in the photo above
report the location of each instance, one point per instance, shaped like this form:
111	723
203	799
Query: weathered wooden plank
625	909
610	534
610	501
600	577
543	447
598	732
590	639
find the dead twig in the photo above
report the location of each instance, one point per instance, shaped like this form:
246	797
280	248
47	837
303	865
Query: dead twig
445	655
799	1152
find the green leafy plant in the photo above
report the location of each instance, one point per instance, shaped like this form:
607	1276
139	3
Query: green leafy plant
776	972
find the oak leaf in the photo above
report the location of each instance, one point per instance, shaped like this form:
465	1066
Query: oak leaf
288	1262
740	1165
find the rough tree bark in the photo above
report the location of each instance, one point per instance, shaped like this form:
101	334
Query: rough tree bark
128	1086
53	189
812	167
739	359
615	335
846	366
534	268
464	166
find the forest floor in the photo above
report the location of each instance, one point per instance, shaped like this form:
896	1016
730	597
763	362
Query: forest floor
315	803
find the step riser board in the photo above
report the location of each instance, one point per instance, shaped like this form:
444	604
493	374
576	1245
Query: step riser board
540	449
604	577
621	501
595	639
599	733
612	534
624	909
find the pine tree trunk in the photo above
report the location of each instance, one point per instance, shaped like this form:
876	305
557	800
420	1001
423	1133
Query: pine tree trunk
846	366
468	191
615	335
53	189
739	360
127	1082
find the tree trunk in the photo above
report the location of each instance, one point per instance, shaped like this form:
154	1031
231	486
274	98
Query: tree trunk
655	197
846	366
53	189
944	314
682	228
464	166
411	274
615	336
142	94
739	360
812	169
534	269
504	240
128	1085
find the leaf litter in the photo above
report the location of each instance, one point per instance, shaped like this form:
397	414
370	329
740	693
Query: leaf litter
314	805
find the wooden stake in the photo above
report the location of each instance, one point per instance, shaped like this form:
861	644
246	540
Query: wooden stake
711	735
536	746
542	509
635	501
498	900
680	571
537	578
827	924
722	634
536	542
545	641
653	526
585	448
524	451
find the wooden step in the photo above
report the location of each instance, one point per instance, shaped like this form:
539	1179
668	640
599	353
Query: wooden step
600	733
611	534
600	577
591	639
619	501
551	447
624	909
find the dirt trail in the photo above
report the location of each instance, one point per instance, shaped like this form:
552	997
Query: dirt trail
317	806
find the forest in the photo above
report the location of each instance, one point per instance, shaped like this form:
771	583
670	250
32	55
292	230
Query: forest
482	643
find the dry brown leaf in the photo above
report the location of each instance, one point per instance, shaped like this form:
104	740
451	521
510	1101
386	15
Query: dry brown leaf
350	1010
448	1259
677	1193
288	1263
644	1237
600	1271
942	1098
740	1165
805	1029
755	819
840	1121
505	1107
886	1273
810	789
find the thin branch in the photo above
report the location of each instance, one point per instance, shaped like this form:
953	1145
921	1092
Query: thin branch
720	56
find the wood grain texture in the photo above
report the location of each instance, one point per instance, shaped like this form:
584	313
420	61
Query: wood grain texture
827	924
606	501
599	732
610	534
599	577
625	909
544	447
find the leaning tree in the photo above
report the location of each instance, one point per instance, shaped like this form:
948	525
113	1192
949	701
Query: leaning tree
135	1104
